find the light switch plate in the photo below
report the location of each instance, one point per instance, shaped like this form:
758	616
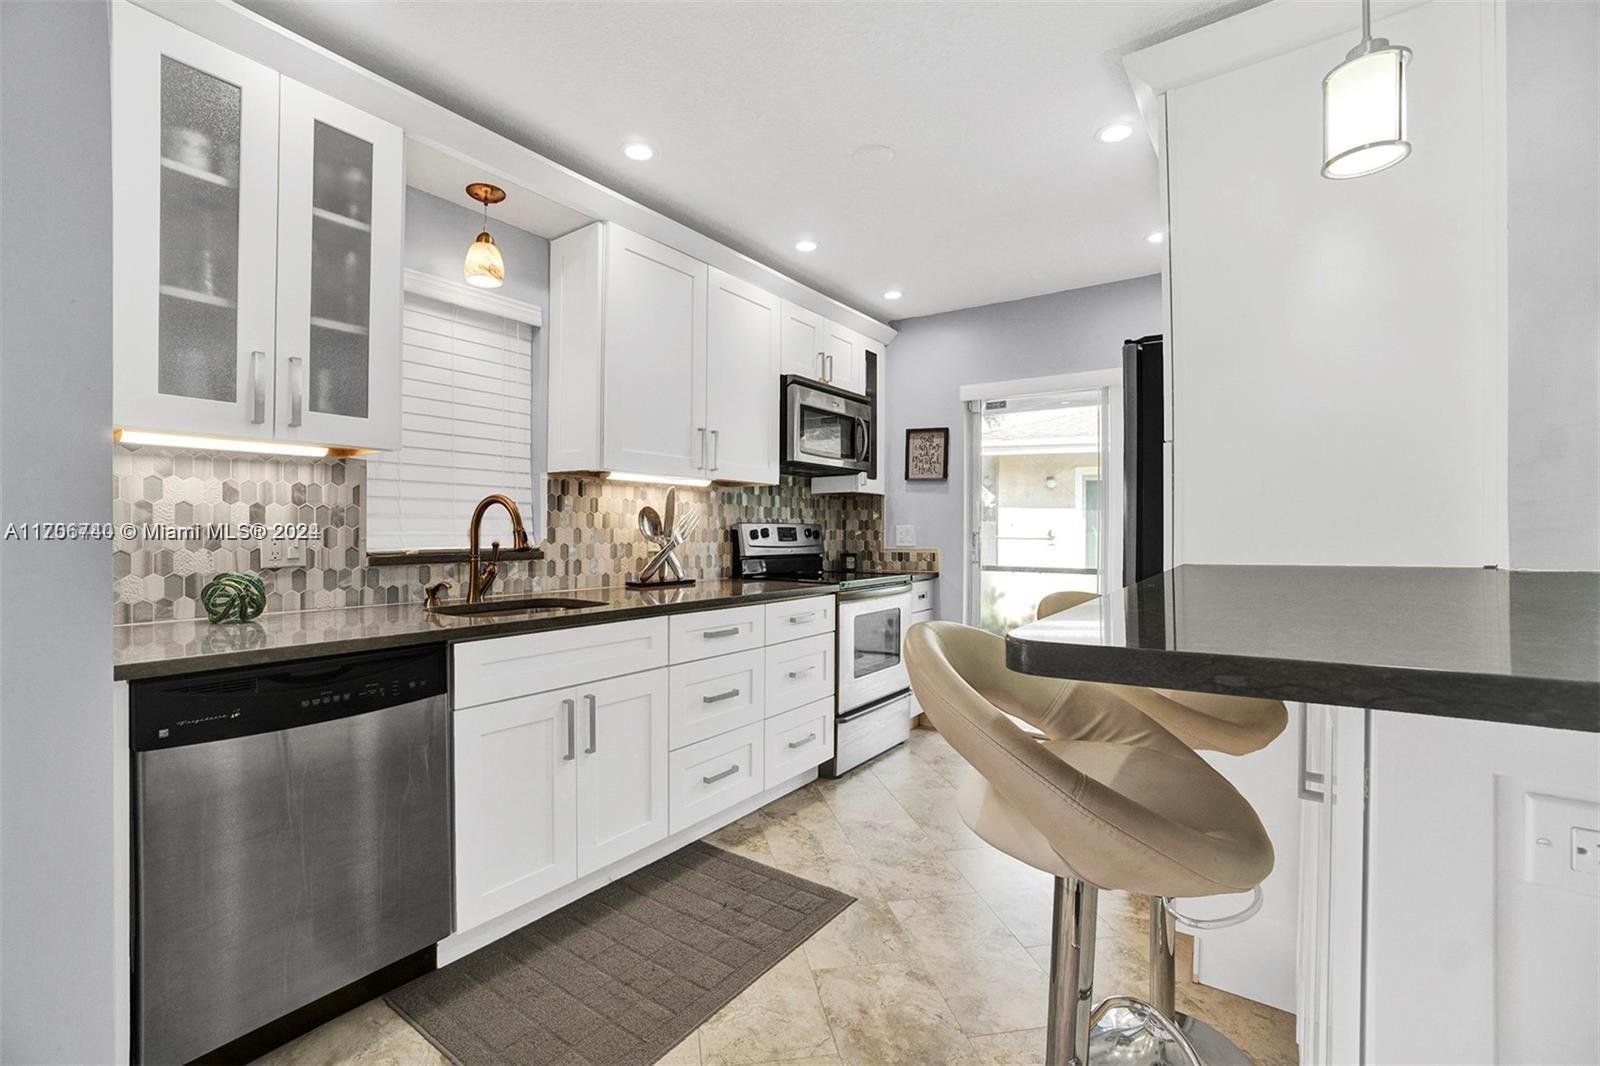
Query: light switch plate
905	536
1553	829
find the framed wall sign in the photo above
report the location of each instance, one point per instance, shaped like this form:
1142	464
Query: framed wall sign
928	454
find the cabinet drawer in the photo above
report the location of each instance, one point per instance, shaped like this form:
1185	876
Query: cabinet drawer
922	594
706	633
920	616
794	619
712	696
497	669
799	672
798	740
713	775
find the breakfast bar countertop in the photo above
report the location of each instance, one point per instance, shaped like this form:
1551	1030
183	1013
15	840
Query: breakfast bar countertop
195	645
1495	645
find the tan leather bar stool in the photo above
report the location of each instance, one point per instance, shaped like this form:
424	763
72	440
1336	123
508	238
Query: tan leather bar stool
1233	725
1106	798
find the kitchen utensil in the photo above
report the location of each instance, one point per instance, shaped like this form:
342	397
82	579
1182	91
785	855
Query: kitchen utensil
650	523
667	540
669	516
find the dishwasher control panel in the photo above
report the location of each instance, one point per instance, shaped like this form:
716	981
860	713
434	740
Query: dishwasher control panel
174	712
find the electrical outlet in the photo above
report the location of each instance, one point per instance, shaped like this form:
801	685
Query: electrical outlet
278	554
905	536
1586	851
1561	842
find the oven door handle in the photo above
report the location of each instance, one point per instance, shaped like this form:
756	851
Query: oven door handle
876	592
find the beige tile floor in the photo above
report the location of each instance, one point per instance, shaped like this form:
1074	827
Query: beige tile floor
942	959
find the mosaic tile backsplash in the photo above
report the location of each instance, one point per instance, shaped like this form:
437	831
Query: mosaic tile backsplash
592	536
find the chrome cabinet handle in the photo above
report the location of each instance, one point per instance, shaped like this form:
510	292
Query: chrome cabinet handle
731	631
801	673
594	740
294	390
801	619
718	777
822	366
802	743
719	697
716	448
258	386
572	730
702	431
830	369
1308	777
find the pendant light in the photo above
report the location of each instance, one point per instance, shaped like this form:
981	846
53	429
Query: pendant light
485	267
1364	107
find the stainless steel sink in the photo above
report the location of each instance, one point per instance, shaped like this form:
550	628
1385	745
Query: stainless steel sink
529	603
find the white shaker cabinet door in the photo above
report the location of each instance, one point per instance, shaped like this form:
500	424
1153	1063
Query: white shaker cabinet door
655	358
622	767
341	207
194	241
515	809
804	342
743	329
847	358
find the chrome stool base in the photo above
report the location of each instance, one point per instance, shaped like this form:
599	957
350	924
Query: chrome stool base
1127	1032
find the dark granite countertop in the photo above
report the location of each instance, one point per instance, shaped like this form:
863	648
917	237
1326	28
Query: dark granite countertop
166	649
1495	645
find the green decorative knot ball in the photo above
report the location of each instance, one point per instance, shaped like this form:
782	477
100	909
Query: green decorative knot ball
233	597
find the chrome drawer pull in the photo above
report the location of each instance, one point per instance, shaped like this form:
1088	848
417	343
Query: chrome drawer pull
802	743
572	730
801	619
731	631
719	697
800	673
718	777
594	731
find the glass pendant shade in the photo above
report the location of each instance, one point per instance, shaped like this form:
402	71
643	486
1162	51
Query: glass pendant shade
1364	111
485	267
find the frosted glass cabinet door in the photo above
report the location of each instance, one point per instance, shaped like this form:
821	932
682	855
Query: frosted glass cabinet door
195	160
340	204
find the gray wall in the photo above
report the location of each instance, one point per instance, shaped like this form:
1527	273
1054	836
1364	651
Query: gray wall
1553	274
437	235
60	952
933	356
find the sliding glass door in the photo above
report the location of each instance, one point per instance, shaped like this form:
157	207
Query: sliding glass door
1038	493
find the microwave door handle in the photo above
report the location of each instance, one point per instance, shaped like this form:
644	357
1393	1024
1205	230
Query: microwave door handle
866	439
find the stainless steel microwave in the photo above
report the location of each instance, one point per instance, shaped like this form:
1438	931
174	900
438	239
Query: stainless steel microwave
825	430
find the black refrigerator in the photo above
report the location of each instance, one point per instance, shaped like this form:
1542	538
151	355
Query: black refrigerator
1144	486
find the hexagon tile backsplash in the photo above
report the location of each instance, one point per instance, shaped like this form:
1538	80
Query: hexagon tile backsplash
592	535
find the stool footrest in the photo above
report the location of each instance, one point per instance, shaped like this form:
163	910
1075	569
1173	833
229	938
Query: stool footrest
1223	922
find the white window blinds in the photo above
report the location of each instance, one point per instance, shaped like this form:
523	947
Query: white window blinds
466	429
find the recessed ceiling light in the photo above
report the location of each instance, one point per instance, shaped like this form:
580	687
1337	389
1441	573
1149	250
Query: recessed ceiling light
807	245
638	150
1117	131
1157	237
893	294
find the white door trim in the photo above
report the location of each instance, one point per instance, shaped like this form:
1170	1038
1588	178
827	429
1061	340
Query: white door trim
1082	381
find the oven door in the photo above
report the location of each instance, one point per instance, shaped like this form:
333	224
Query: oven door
872	625
825	432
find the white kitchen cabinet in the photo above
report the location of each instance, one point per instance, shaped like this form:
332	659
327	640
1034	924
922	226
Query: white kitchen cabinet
238	194
622	767
340	213
794	619
804	342
799	672
515	803
743	329
1329	942
846	352
703	634
711	696
638	381
798	740
502	667
713	775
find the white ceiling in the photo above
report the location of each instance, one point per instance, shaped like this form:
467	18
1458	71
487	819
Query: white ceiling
997	190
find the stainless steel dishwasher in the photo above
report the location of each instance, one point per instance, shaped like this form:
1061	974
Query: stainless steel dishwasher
291	836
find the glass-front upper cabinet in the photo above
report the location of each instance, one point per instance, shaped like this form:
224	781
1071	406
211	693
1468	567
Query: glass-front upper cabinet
341	205
195	171
237	195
